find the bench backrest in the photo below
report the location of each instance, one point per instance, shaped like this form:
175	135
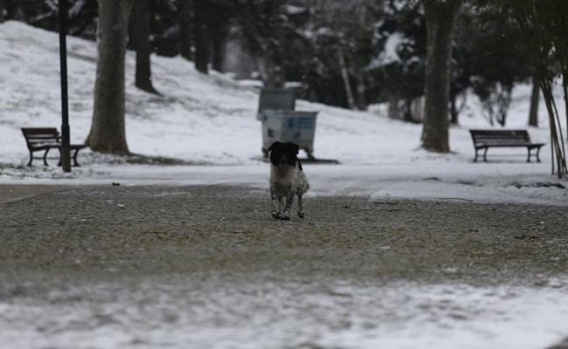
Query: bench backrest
500	136
40	135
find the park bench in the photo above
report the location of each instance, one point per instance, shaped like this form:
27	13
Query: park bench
44	139
485	139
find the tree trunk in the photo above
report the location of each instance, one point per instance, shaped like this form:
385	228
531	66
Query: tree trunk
1	11
217	49
535	97
454	114
407	113
140	40
200	14
107	133
454	118
218	24
361	88
185	36
440	18
270	67
345	77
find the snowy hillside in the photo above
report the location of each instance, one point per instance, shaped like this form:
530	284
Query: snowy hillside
210	120
200	118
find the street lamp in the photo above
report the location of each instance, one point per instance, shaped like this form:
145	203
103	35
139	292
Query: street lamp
65	148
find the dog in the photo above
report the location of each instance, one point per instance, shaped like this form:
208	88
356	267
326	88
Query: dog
287	179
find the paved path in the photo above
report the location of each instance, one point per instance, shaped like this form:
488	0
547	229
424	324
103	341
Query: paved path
18	192
139	262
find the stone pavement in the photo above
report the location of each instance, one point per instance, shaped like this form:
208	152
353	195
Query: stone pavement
9	192
149	261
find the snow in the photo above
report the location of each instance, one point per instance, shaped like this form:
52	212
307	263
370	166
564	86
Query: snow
210	121
390	54
341	315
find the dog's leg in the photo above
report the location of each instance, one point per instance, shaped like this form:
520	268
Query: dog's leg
300	207
275	205
281	207
289	202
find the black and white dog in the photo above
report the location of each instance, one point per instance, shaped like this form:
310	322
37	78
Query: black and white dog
287	179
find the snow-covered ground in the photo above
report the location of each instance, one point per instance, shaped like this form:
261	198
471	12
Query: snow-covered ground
260	316
210	120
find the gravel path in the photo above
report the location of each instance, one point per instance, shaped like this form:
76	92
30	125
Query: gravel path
95	244
156	230
17	192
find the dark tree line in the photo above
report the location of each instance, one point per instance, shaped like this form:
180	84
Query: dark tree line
371	51
335	51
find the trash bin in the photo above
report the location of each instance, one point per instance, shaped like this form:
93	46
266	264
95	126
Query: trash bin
274	98
288	126
280	122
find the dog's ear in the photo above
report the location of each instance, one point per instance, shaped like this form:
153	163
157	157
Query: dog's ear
273	145
296	148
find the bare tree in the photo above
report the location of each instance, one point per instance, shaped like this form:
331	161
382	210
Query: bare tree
545	25
350	27
1	11
217	48
140	41
535	97
345	78
204	26
200	14
262	24
107	134
185	32
440	18
219	27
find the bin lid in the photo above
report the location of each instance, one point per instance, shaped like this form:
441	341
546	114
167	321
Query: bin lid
271	98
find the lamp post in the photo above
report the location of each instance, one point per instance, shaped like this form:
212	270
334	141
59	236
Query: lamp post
65	143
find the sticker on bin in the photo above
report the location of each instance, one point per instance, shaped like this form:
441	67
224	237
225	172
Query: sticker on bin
306	123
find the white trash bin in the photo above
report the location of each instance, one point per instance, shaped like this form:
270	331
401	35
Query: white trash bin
288	126
280	122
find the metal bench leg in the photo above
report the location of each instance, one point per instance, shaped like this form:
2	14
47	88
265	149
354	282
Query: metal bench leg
60	157
538	154
31	158
75	163
529	156
475	158
485	155
45	157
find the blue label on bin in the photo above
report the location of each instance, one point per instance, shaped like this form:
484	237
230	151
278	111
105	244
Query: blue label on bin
306	123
